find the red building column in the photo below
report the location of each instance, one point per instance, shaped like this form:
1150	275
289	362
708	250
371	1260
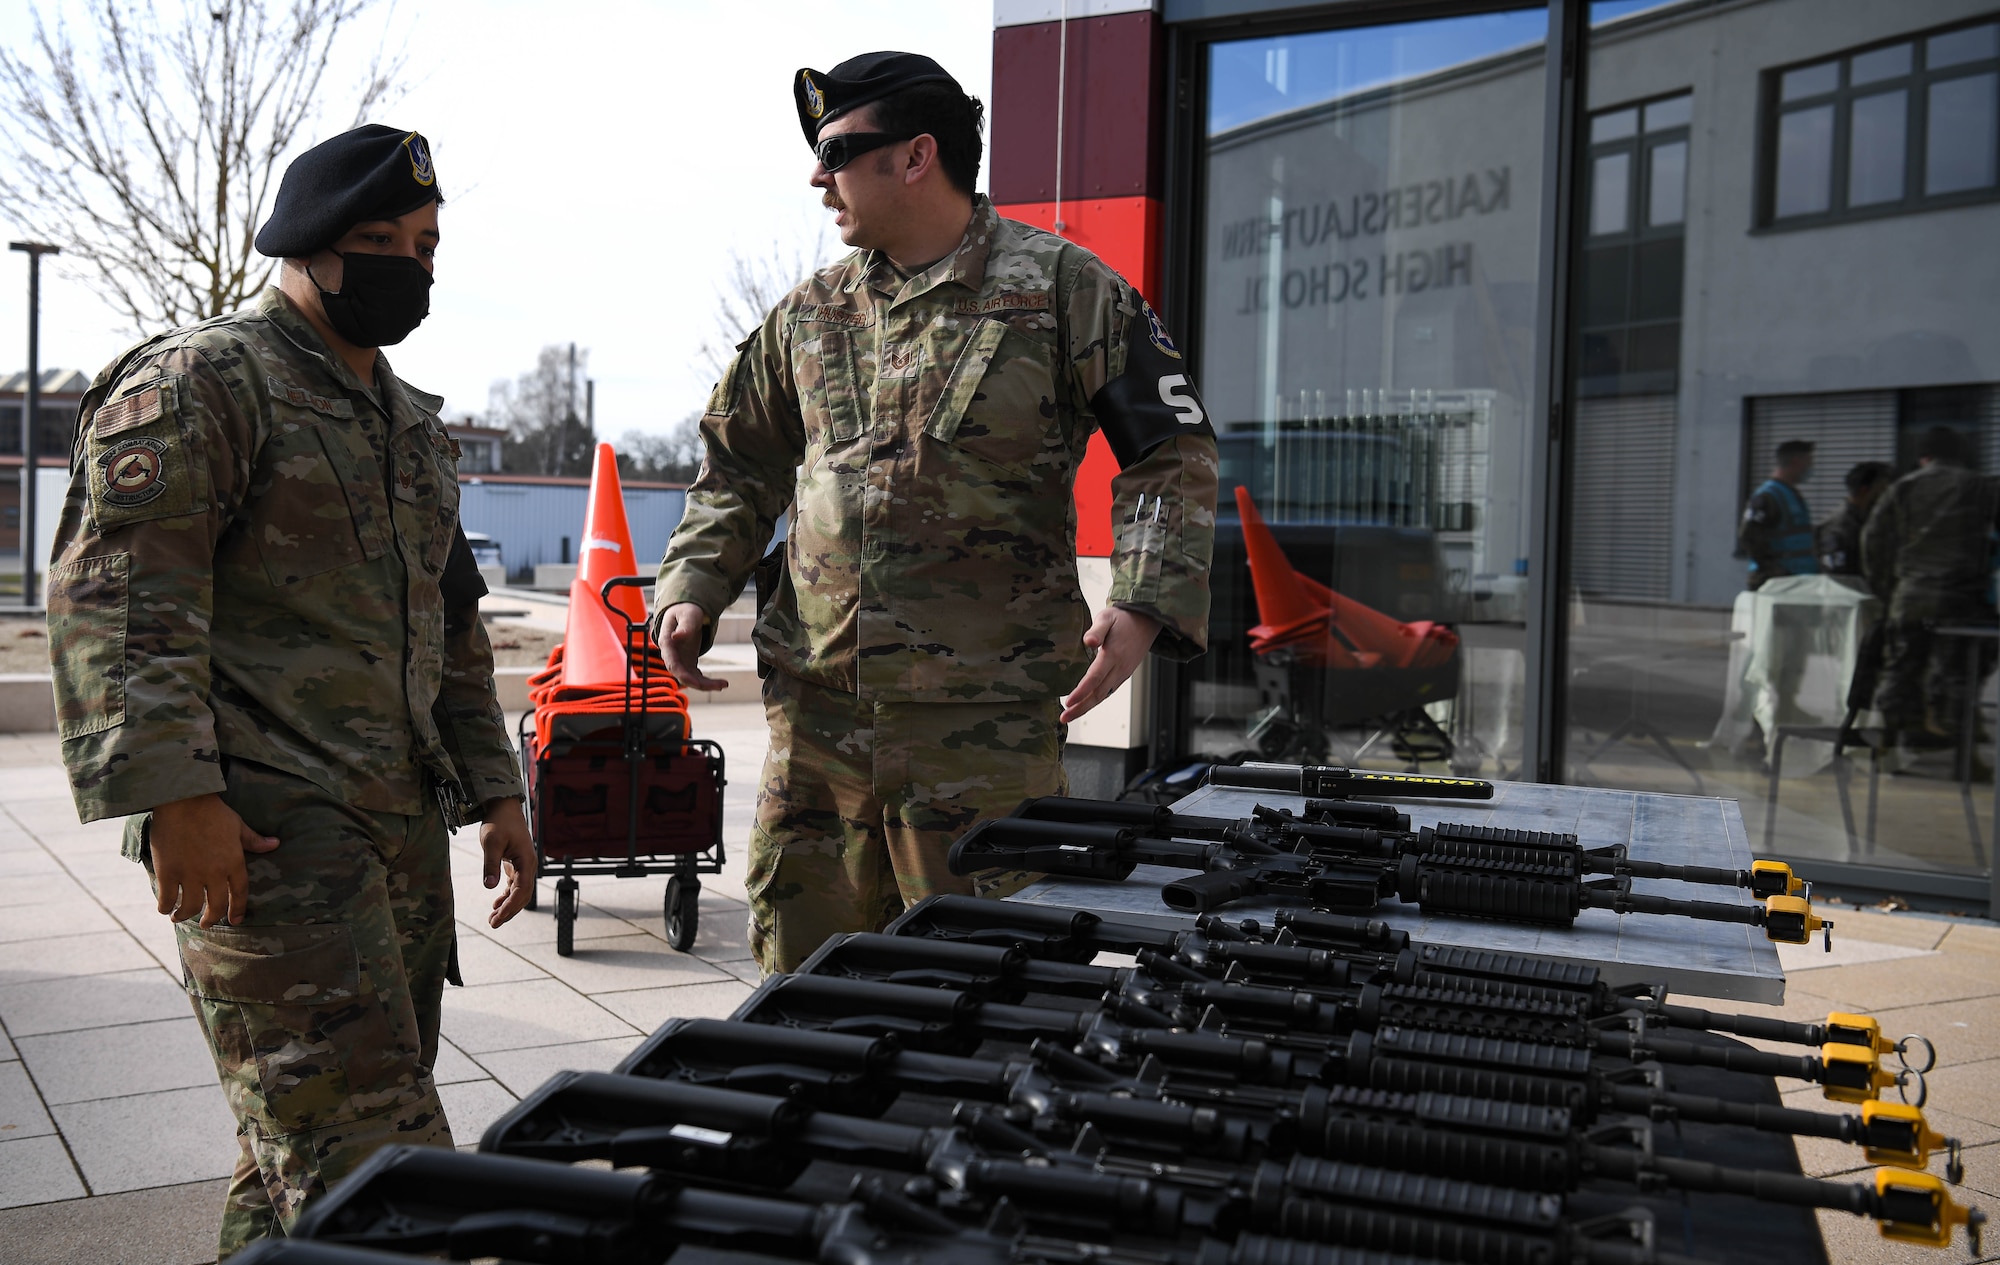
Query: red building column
1100	73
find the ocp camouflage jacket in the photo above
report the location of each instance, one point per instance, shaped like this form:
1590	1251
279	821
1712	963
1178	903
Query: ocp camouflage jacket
252	563
926	434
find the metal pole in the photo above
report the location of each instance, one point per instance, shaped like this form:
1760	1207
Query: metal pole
31	407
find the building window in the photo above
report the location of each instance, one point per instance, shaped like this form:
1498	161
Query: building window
1632	259
1895	127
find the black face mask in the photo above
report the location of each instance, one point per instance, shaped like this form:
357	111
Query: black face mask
381	299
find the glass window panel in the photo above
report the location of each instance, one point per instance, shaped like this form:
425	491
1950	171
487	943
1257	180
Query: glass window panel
1805	161
1614	125
1607	285
1673	112
1687	672
1882	63
1610	193
1876	148
1658	283
1959	134
1666	197
1368	295
1809	81
1955	48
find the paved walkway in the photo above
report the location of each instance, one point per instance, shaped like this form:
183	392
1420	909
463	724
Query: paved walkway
114	1137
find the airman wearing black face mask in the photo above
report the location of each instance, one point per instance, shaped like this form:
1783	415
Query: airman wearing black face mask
269	661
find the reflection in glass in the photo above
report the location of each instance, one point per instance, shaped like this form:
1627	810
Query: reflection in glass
1876	145
1958	149
1610	193
1672	112
1955	48
1614	125
1883	63
1805	160
1366	338
1809	81
1666	201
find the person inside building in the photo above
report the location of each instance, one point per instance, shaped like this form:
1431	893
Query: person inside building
1928	551
921	408
1838	539
1776	532
268	659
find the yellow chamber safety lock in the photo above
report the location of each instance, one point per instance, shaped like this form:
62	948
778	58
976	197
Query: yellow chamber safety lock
1896	1133
1791	920
1865	1030
1853	1073
1916	1208
1774	878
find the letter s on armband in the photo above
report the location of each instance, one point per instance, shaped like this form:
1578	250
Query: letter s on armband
1152	401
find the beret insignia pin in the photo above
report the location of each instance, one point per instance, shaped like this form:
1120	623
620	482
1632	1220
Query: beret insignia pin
420	160
815	99
134	472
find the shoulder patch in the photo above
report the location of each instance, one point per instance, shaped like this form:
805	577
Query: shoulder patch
827	314
134	471
134	410
281	390
1031	301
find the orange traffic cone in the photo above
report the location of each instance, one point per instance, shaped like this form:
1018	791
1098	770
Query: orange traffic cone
607	539
593	640
1286	608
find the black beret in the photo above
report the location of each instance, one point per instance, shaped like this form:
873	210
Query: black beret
370	173
823	95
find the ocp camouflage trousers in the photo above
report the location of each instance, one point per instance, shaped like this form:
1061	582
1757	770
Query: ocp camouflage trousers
322	1008
860	802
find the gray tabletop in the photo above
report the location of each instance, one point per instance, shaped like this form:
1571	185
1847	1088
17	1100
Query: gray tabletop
1702	959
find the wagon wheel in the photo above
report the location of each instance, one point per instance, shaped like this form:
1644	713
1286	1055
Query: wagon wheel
683	907
565	917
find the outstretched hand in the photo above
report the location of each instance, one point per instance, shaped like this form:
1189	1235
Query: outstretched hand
1121	639
680	641
198	846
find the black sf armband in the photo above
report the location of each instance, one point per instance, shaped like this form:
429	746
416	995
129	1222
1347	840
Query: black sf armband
1152	401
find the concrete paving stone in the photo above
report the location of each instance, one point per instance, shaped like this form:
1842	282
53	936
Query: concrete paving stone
1967	1089
469	1106
491	1017
7	1051
21	786
90	1001
483	960
1978	936
46	887
99	953
155	933
524	1070
30	860
1847	951
108	876
110	1062
54	920
1963	1031
163	1139
168	1225
36	1171
745	969
617	963
454	1065
648	1008
1887	928
1982	1172
21	1112
1914	982
1852	1240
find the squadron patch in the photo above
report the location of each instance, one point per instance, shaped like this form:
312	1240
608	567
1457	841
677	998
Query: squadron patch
420	160
134	472
815	99
1156	331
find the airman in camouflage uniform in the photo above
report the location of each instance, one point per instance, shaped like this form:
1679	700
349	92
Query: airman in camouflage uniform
261	594
924	427
1928	548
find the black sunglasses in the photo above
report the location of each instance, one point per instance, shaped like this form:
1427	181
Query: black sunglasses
836	152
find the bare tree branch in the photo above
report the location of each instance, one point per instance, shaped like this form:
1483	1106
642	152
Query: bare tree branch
538	410
751	289
151	157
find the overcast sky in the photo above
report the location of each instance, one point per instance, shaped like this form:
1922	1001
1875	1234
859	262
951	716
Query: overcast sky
599	160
